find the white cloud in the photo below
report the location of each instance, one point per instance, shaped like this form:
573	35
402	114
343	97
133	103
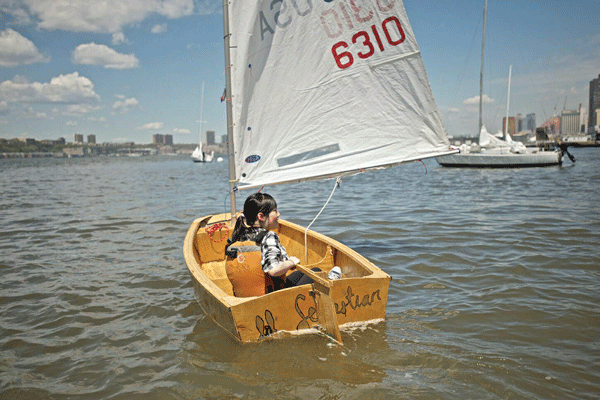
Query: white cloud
99	54
17	11
451	110
475	100
16	49
71	123
97	119
123	106
181	131
67	89
27	112
107	16
80	109
594	40
159	28
151	126
118	38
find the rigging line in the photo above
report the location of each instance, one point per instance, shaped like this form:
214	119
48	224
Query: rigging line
225	202
462	73
338	181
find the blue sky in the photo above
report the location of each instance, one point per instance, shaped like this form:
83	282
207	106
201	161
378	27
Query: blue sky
126	69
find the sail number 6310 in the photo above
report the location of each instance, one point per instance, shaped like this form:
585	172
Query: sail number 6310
392	29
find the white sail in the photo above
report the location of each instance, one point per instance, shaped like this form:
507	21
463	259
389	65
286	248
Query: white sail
323	88
490	141
198	154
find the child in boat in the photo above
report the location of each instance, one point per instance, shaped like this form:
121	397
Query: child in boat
257	222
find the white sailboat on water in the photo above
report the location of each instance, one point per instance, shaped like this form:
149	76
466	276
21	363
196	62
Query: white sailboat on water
492	152
198	155
314	90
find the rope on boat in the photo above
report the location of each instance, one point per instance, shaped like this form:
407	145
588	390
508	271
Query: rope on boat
210	231
317	263
338	182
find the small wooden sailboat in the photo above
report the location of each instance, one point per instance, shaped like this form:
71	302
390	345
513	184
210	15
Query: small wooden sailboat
361	296
360	101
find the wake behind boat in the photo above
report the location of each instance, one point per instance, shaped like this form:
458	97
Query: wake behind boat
313	91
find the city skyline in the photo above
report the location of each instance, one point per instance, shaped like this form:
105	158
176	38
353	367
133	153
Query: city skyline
135	69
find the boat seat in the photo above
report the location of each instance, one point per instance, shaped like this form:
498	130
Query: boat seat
250	280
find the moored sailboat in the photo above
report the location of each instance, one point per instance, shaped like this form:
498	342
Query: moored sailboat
360	101
198	155
492	152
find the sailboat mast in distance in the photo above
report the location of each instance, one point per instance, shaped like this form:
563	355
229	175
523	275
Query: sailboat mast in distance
481	71
201	117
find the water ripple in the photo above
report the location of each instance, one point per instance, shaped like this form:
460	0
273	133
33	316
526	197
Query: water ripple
495	288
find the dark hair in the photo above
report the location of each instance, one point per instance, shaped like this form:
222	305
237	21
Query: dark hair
255	204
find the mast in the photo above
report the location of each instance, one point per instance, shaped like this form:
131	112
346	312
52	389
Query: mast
481	72
507	102
201	120
228	99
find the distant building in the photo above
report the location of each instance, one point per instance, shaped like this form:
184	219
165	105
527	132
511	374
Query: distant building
224	139
583	119
511	126
162	140
519	121
91	139
210	137
570	122
157	139
78	138
530	122
594	104
73	151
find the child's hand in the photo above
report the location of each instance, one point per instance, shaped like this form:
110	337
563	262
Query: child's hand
294	260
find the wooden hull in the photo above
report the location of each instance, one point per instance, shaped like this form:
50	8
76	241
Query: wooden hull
359	297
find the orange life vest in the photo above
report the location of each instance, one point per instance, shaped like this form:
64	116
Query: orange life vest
245	272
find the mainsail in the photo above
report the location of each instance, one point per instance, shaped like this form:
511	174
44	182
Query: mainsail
321	88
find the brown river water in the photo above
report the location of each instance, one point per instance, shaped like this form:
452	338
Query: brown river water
495	291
